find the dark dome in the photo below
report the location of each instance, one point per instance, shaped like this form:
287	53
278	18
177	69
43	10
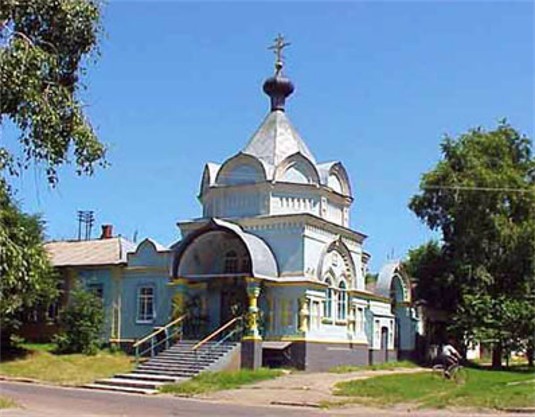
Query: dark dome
278	88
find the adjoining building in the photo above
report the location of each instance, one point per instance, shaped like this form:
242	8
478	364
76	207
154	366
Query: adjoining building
274	245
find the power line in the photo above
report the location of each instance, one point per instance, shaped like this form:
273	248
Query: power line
463	188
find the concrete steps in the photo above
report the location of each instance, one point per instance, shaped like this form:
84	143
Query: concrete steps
176	364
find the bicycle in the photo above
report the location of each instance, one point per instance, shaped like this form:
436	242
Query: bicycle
455	372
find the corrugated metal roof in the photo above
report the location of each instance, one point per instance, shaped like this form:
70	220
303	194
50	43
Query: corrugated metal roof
89	252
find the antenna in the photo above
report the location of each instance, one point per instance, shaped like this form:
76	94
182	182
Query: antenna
87	218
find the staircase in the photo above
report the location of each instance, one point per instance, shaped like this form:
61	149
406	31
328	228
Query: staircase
175	364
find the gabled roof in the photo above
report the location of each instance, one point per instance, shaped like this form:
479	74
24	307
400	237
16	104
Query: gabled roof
110	251
276	139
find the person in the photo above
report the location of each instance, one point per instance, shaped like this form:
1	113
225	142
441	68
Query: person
450	357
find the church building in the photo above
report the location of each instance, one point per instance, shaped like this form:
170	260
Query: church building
273	252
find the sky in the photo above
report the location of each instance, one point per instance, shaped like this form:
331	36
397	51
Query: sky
378	85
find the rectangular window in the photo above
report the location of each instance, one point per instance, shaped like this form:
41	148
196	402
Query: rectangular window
96	289
360	320
145	304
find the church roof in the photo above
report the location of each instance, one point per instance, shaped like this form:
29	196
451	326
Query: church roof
276	139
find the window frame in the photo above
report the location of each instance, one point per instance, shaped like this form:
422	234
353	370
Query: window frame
144	320
329	307
341	302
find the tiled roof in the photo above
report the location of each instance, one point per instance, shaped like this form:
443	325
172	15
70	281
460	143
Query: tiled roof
89	252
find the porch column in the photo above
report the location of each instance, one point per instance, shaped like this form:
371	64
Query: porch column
179	298
251	347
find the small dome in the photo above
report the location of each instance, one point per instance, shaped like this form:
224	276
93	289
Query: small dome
278	88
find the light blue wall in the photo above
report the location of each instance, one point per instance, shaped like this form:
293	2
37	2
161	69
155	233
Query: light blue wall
100	276
287	246
131	282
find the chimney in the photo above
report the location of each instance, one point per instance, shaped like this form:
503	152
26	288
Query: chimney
107	231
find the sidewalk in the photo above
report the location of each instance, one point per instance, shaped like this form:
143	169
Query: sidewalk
299	388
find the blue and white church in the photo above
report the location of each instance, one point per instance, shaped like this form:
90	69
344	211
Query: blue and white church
274	249
274	242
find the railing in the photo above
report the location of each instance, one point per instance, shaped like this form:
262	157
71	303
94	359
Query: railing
226	332
171	332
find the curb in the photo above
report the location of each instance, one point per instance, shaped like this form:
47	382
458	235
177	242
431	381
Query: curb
530	410
19	379
296	404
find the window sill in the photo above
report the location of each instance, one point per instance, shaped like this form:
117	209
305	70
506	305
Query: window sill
327	321
145	321
341	321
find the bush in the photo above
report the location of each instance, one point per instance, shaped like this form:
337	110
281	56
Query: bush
81	324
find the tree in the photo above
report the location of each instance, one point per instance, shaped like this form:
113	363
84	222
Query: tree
428	267
481	196
81	324
44	48
27	279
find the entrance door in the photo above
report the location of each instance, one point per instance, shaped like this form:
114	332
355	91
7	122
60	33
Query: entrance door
384	342
233	301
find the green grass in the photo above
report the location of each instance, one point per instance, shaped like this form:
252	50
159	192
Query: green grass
217	381
37	361
483	389
344	369
6	402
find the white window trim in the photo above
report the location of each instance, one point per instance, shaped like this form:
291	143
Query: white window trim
138	310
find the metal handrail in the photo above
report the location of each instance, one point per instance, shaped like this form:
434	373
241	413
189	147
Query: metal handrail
153	345
215	333
161	329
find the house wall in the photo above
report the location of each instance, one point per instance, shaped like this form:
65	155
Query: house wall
130	326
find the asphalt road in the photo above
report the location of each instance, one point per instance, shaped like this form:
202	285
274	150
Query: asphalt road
47	401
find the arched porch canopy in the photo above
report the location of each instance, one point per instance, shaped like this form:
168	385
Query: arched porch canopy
202	252
393	282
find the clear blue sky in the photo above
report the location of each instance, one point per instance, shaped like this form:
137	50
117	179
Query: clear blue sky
377	86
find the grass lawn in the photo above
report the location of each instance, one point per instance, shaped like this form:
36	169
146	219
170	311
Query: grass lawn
217	381
6	402
483	389
344	369
37	361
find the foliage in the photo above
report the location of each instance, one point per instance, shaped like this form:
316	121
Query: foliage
482	388
428	267
41	363
481	196
6	402
43	46
371	278
81	322
385	366
27	277
216	381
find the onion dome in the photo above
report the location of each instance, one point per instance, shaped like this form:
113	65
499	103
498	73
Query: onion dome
278	87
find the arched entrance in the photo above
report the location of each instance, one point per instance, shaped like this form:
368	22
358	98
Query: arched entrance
219	262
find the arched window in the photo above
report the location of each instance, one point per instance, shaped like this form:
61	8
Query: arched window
231	262
329	295
342	301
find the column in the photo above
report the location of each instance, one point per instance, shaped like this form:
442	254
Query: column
304	314
251	347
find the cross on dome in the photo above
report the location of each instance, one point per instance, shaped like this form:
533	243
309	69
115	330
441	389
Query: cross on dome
277	47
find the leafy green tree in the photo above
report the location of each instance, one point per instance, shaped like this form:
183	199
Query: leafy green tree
81	323
27	279
45	46
481	196
428	267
